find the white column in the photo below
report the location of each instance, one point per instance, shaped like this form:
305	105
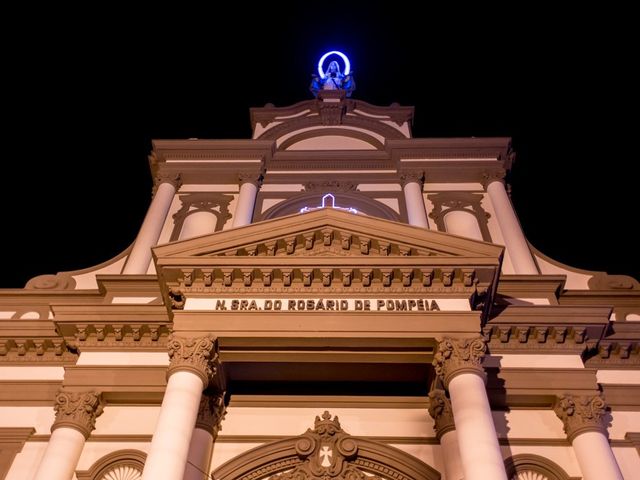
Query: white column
595	457
440	411
62	455
189	373
199	456
76	414
140	256
584	422
246	199
197	224
463	223
458	364
514	239
412	185
210	415
479	449
451	455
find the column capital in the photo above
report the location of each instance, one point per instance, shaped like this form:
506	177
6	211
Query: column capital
408	175
459	355
211	412
196	355
251	177
494	175
581	413
440	411
173	178
77	410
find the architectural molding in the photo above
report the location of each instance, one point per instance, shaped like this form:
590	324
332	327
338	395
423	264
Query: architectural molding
526	466
441	412
77	410
634	438
21	350
375	143
331	186
118	465
580	414
453	201
201	202
196	355
459	356
211	412
12	439
325	452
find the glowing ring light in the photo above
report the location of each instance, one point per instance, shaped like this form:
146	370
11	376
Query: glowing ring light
347	64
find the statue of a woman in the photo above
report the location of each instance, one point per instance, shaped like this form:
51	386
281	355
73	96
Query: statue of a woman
333	80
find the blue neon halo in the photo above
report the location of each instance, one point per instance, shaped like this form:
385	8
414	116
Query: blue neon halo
345	59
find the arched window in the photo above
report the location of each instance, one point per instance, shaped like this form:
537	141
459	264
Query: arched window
119	465
534	467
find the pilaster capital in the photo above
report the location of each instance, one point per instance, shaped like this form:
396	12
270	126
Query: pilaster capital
408	175
77	410
251	177
581	413
172	178
440	411
196	355
211	412
456	356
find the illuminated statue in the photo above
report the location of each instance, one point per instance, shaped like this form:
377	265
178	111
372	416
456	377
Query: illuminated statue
332	79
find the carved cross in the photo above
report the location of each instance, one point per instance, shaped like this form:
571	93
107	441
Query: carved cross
325	454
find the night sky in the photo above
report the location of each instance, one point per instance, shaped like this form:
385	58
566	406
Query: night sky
83	99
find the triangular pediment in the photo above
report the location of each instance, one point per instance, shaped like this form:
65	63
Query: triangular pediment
329	232
327	251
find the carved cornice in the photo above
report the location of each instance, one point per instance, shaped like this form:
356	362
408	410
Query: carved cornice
35	350
580	414
211	412
459	356
196	355
440	411
77	410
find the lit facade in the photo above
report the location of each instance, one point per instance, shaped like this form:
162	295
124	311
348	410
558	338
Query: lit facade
404	300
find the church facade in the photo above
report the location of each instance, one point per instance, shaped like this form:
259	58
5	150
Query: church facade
330	299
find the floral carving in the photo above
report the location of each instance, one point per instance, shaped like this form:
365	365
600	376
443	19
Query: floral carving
211	412
440	411
581	413
456	356
196	355
77	410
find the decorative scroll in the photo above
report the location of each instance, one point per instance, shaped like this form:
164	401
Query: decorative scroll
457	356
77	410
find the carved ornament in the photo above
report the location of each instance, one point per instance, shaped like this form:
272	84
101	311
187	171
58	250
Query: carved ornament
458	356
77	410
440	411
581	413
211	412
195	355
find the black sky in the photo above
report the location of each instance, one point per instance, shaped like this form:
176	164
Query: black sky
83	99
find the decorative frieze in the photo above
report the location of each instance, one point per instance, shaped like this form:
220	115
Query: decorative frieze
211	412
37	350
581	413
440	411
196	355
77	410
513	337
458	356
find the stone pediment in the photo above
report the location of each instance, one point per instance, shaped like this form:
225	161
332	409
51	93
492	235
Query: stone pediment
327	251
328	232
